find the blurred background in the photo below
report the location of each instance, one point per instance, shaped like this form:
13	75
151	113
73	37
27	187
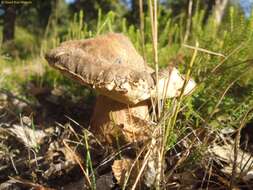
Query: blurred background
27	24
34	96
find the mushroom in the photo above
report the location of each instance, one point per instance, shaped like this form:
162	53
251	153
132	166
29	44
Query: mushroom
125	84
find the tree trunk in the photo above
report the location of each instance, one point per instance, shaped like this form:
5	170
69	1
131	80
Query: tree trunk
219	9
216	7
9	23
135	12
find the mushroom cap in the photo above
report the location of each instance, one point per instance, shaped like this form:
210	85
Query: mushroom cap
170	84
111	65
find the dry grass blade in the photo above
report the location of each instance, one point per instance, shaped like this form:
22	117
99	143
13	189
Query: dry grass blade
236	147
153	16
154	26
141	16
178	104
204	50
145	161
208	170
135	162
172	119
78	160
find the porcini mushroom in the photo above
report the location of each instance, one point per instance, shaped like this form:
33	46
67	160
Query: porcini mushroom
111	65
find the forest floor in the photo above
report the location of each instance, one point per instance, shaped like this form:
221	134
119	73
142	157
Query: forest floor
45	144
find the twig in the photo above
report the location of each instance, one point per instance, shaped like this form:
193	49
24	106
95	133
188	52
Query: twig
13	165
204	50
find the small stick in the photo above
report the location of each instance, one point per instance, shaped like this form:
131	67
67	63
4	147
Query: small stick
204	50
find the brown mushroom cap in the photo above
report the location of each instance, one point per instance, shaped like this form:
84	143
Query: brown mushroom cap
108	63
111	65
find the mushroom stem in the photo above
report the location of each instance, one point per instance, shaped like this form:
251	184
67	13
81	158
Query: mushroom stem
113	121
